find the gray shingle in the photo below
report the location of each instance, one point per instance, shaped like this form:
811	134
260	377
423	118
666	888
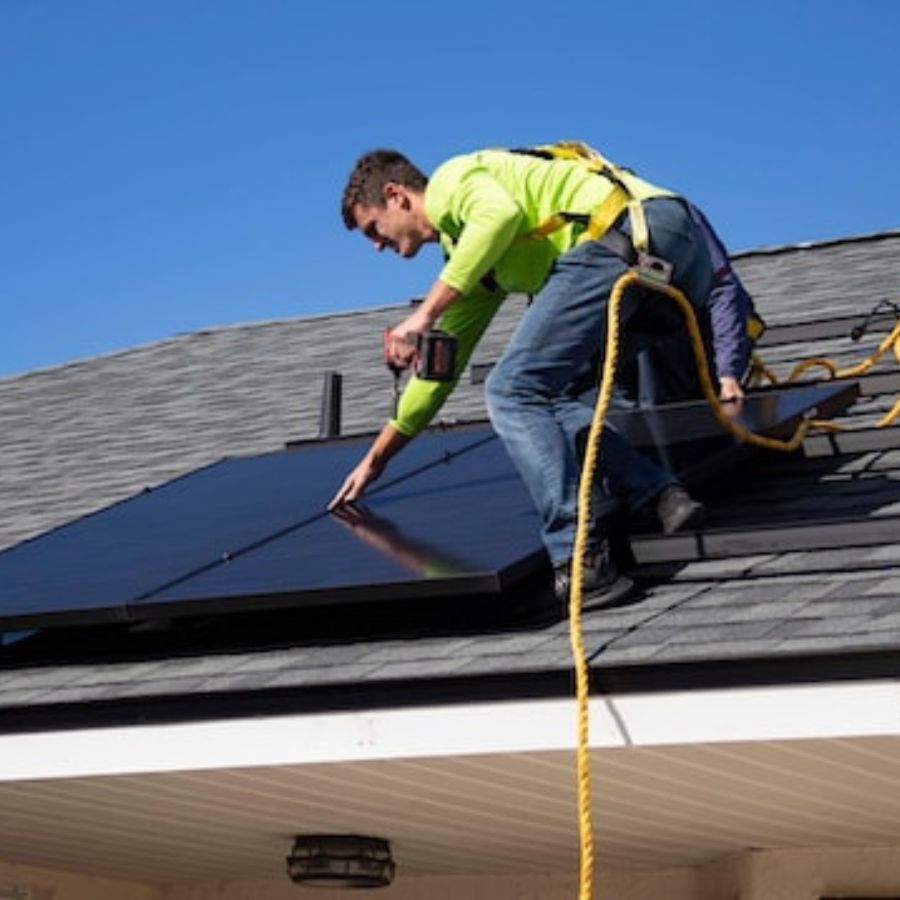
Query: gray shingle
833	643
884	587
731	567
834	625
509	663
621	655
307	677
415	669
792	284
423	649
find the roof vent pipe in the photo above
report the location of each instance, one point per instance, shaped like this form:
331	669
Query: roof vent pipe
330	416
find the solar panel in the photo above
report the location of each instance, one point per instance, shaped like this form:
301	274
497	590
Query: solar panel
450	517
462	526
687	439
96	568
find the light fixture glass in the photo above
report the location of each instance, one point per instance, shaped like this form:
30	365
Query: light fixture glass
341	861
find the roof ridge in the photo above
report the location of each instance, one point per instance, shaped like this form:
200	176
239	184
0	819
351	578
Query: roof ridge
776	249
203	330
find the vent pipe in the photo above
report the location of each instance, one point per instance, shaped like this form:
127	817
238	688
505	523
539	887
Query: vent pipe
330	416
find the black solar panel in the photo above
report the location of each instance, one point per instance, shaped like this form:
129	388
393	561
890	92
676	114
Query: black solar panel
463	525
449	517
259	524
686	438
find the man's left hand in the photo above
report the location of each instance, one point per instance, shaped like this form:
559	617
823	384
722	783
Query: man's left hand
732	396
730	389
365	472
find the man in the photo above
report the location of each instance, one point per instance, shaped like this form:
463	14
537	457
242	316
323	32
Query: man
484	208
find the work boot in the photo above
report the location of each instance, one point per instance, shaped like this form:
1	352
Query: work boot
602	583
676	509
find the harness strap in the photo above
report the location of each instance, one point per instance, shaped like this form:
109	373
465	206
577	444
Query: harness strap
614	240
640	233
603	216
620	197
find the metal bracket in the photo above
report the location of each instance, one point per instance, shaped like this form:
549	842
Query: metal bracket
654	269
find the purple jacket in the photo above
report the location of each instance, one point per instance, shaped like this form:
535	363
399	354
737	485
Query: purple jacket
729	306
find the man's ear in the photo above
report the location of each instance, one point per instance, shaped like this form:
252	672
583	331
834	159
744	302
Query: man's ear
394	191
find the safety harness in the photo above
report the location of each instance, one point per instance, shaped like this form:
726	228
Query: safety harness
627	193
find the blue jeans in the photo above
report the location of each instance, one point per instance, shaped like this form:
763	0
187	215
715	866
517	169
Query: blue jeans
532	392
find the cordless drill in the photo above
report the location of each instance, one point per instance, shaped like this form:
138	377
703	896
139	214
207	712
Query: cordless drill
434	357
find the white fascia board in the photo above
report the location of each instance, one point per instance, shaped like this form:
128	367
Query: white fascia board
870	708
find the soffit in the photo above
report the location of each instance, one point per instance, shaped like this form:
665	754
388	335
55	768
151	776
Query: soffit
493	814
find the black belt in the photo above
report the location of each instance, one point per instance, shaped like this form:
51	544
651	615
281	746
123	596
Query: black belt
619	244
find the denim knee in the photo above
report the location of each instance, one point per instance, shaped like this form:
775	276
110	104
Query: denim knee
496	390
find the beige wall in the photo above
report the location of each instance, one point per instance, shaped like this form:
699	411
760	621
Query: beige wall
675	885
52	885
810	874
49	884
755	875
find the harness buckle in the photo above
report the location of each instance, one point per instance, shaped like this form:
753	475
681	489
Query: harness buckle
654	269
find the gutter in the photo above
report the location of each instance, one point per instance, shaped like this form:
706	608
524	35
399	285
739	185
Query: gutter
830	710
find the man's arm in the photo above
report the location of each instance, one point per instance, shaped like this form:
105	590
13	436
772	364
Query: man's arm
479	213
388	443
467	319
729	305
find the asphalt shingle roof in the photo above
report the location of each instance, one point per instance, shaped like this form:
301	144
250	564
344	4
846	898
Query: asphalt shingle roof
81	436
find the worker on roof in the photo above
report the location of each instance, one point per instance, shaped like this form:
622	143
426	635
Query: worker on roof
485	209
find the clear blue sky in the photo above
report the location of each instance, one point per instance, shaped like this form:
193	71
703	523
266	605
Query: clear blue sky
167	165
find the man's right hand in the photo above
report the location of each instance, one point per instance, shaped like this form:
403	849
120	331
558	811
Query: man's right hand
399	349
366	471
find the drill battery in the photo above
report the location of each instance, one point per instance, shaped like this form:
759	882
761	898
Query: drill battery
435	356
436	359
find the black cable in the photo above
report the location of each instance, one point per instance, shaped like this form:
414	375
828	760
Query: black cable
859	330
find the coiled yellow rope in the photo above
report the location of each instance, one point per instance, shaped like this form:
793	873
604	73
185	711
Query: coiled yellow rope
582	672
891	342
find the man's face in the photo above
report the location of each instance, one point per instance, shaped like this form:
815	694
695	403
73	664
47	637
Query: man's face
395	225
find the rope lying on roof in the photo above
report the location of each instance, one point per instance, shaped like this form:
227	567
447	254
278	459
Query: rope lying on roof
761	372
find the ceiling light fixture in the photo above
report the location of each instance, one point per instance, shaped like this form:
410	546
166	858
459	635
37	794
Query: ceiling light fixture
341	861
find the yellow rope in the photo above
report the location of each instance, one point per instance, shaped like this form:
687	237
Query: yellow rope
891	342
582	672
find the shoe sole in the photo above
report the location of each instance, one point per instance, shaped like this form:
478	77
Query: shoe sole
693	519
608	596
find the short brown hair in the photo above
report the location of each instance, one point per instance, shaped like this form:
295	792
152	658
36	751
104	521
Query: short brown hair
373	170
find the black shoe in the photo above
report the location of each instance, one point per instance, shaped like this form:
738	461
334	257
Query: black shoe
602	583
676	509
